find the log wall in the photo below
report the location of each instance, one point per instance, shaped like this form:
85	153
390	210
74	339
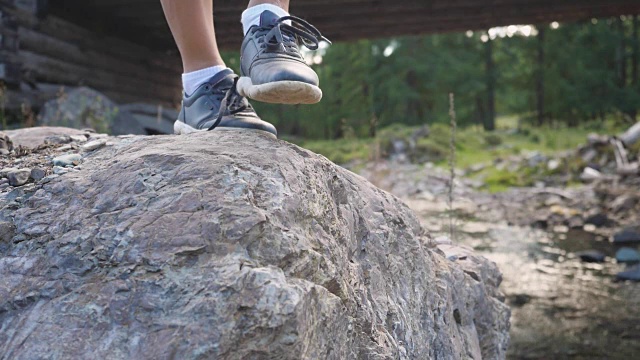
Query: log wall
344	20
46	43
41	53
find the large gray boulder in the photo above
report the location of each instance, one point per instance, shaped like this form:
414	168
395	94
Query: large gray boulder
233	245
87	108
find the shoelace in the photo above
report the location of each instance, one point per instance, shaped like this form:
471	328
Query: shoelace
307	34
232	103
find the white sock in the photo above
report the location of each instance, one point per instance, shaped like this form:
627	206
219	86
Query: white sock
251	16
191	80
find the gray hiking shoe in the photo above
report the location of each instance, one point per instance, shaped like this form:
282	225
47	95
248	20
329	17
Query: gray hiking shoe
272	68
217	105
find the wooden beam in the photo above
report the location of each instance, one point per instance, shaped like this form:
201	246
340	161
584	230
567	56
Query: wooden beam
367	17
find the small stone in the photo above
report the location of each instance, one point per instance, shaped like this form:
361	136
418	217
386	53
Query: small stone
94	144
535	158
560	229
598	219
564	211
38	174
627	255
65	148
60	170
19	177
4	186
519	300
575	222
79	138
633	274
627	235
4	181
70	159
4	152
5	143
553	200
597	139
540	224
592	256
589	155
553	164
442	240
589	228
624	202
57	139
590	174
5	171
98	136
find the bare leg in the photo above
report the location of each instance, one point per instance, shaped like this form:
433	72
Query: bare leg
281	3
191	23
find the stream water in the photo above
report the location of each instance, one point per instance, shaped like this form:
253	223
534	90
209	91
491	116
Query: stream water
562	307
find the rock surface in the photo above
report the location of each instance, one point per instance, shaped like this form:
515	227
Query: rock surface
35	136
231	245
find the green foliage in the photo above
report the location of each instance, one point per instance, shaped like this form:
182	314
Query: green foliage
342	151
492	140
428	151
500	180
369	84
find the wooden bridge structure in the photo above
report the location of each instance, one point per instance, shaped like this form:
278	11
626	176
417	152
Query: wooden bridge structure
123	48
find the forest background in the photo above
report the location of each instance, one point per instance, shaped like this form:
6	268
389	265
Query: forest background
552	75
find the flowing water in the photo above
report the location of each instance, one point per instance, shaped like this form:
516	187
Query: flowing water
562	307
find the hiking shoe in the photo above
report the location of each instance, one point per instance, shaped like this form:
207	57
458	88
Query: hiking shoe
216	104
272	68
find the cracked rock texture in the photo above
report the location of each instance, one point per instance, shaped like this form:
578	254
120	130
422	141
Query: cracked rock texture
232	245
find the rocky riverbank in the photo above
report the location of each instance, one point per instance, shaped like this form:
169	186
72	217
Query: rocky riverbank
556	246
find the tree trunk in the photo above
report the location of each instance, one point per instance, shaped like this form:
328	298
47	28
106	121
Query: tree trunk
635	51
540	77
490	118
480	111
634	63
622	59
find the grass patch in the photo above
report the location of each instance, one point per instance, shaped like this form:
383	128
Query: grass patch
473	146
341	151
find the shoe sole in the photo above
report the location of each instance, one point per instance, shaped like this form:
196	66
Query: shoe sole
280	92
180	128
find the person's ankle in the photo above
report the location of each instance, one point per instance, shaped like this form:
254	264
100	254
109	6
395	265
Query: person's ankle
193	79
251	16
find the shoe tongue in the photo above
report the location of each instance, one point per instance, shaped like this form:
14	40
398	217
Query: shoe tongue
268	18
220	76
